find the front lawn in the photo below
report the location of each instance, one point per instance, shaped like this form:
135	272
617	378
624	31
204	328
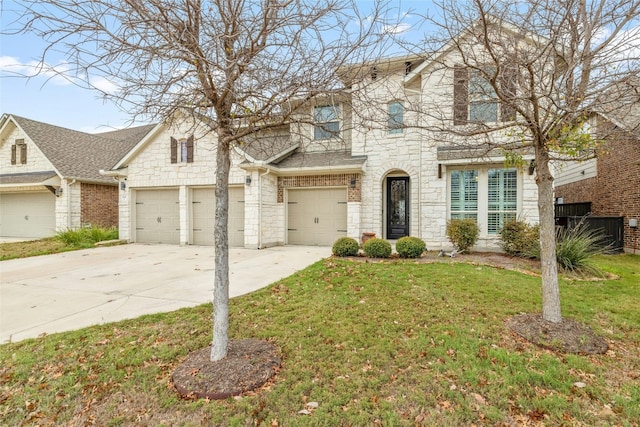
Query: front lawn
366	343
64	241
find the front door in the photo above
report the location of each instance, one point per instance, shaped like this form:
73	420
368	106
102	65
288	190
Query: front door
397	207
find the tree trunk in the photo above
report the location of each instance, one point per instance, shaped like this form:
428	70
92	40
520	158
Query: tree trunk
550	289
221	244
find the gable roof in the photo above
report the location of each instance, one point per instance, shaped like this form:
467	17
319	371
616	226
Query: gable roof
79	155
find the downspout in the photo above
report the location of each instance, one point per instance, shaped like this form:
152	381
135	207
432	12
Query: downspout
260	207
69	222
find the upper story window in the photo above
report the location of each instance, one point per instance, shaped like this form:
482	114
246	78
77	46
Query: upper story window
326	122
396	117
182	150
483	101
475	99
19	152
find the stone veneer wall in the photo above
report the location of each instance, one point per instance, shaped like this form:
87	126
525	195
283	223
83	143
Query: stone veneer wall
307	181
99	205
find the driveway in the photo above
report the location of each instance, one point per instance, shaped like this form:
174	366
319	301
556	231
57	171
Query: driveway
62	292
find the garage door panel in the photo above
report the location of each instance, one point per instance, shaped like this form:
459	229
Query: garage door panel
158	216
316	216
203	216
27	214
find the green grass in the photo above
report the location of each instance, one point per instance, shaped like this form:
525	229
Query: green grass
374	343
64	241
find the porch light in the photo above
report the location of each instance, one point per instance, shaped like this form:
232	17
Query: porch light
123	185
352	183
248	180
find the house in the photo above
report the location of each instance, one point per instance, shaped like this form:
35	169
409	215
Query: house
50	176
610	182
335	172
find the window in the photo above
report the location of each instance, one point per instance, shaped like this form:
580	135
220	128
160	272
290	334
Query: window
488	195
326	122
396	119
503	198
464	194
475	100
483	101
185	150
19	152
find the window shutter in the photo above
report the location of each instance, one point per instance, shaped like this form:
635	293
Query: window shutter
23	154
174	150
13	154
460	95
509	89
190	149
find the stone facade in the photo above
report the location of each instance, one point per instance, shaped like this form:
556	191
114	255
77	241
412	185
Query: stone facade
379	154
615	190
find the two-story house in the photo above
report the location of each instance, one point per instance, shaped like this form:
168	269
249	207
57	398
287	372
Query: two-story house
354	164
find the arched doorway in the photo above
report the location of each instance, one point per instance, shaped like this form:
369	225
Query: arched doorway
397	209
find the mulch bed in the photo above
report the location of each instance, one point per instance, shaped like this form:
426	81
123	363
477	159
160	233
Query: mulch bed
249	364
567	336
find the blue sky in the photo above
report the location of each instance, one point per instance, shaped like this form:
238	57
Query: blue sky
55	100
52	99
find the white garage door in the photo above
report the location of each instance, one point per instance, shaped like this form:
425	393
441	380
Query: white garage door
203	216
27	214
158	216
316	216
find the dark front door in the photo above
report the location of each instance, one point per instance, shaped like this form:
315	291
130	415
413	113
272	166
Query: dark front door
397	207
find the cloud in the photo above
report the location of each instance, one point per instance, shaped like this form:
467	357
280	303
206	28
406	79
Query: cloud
396	28
104	85
57	74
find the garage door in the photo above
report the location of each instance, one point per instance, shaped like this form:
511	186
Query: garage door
203	216
27	214
158	216
316	217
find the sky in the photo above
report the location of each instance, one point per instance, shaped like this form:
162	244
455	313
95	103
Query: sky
57	101
54	100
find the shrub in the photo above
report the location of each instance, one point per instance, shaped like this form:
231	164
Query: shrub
345	246
520	239
410	247
87	237
377	248
575	246
463	233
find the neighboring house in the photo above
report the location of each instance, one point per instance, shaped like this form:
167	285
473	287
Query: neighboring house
611	183
332	174
50	176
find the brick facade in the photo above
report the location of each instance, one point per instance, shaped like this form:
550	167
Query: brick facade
99	205
308	181
615	191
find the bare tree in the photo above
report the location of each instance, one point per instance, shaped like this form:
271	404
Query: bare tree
241	66
539	71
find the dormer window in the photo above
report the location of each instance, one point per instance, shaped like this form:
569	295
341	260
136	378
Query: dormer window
19	152
326	122
182	150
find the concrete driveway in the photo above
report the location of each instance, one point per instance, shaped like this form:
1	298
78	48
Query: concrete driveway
67	291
